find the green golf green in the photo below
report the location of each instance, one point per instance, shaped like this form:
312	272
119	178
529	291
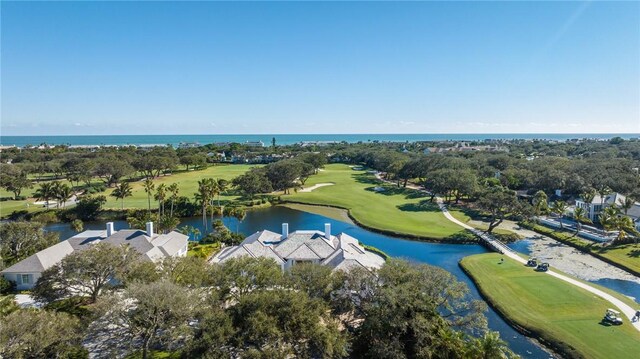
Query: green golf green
556	311
375	205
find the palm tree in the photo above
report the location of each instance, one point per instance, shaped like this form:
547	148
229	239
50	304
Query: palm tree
203	197
627	204
624	226
238	213
579	215
223	184
45	192
160	196
62	192
173	190
559	208
540	204
213	188
122	191
148	188
587	197
196	233
167	224
190	230
607	219
490	346
603	192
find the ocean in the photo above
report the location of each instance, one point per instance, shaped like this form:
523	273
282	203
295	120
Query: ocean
282	139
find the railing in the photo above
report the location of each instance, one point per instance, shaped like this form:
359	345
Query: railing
493	243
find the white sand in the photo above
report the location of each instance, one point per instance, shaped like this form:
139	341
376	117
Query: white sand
309	189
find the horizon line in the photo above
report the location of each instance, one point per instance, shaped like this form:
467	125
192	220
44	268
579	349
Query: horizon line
337	133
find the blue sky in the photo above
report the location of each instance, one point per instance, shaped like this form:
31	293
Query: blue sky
207	68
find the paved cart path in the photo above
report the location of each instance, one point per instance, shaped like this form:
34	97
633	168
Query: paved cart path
623	307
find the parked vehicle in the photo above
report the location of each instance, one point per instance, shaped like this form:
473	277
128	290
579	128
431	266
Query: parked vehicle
542	267
612	316
532	262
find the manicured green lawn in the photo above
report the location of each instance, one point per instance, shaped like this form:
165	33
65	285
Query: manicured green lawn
626	254
557	311
398	210
187	181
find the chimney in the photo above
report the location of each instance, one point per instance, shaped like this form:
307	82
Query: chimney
109	229
150	229
285	230
327	231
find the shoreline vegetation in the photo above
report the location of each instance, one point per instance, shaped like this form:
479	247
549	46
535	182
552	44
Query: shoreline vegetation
339	214
620	256
563	317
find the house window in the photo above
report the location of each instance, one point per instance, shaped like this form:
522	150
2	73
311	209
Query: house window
26	278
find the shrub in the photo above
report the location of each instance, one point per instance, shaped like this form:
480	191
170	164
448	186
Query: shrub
45	217
7	286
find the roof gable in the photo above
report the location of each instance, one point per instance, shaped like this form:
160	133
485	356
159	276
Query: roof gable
304	252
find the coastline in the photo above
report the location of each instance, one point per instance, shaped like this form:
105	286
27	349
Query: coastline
288	139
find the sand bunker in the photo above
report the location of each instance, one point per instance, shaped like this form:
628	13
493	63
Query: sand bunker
309	189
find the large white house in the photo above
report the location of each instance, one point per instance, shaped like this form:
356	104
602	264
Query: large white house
599	203
151	246
340	252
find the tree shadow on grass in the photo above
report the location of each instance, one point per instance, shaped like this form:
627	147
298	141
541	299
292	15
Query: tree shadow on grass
365	178
422	206
388	188
634	253
474	214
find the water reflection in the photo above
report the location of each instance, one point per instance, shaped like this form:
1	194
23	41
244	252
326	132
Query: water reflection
445	256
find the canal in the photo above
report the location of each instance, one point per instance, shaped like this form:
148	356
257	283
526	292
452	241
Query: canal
445	256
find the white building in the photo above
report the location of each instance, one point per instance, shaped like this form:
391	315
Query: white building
340	252
596	206
151	246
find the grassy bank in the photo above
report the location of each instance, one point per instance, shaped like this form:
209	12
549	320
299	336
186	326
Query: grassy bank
563	316
625	256
395	210
329	212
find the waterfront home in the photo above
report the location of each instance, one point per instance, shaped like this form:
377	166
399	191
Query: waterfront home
150	245
340	252
599	203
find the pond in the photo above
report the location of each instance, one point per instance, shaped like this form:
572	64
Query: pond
445	256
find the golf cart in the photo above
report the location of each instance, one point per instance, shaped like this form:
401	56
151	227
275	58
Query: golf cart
532	262
542	267
613	317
